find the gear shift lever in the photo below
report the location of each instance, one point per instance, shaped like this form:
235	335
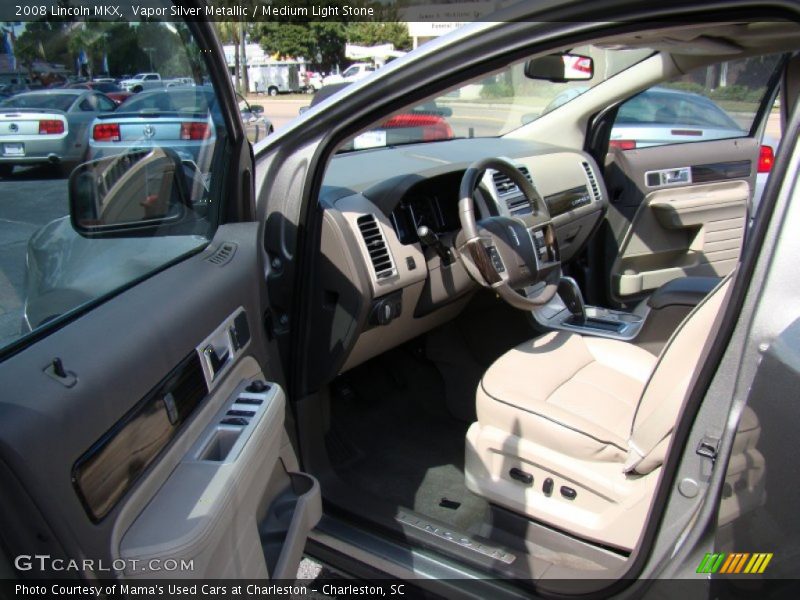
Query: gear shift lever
570	293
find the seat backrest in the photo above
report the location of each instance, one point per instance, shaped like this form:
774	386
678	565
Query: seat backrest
671	380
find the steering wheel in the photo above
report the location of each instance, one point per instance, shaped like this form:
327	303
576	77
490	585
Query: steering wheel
509	253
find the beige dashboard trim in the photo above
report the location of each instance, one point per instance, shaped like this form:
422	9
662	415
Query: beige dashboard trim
355	206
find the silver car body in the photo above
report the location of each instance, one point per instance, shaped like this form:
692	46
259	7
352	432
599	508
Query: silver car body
665	116
20	141
155	119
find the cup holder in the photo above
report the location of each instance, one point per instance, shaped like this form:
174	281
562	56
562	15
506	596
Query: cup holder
220	445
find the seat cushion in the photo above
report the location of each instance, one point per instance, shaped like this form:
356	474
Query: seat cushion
571	393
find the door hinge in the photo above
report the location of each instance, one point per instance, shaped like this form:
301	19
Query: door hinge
708	448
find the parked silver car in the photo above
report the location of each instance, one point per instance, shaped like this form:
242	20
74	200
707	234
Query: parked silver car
666	116
178	117
48	127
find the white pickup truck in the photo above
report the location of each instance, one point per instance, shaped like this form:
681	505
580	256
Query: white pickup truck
142	81
353	73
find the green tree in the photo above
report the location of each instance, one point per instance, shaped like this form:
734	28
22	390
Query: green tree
371	33
322	43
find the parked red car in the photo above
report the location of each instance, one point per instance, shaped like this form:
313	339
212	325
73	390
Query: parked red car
112	90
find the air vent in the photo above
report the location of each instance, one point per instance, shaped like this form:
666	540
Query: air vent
223	254
519	205
379	254
503	183
592	181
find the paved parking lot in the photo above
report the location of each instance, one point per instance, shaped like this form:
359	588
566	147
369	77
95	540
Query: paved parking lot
29	199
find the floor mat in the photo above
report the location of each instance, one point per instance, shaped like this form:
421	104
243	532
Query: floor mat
403	446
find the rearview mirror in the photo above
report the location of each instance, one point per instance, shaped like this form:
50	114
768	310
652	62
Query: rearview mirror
560	68
133	193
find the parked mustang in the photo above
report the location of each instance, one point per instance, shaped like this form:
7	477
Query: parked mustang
178	117
48	127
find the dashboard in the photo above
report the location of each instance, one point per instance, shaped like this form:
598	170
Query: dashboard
432	203
380	284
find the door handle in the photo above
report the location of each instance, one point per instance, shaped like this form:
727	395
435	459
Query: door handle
215	360
676	176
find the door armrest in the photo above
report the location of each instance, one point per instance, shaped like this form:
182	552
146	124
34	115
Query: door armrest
684	291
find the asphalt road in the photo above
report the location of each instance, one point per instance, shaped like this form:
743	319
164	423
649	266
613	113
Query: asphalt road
29	199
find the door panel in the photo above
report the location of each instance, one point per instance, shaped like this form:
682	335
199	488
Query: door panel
676	211
186	486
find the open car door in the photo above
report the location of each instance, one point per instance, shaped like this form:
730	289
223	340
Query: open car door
142	431
682	170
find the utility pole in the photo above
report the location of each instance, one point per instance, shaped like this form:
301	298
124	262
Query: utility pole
150	51
243	42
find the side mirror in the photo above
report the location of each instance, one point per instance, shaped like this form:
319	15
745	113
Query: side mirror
134	194
257	109
560	68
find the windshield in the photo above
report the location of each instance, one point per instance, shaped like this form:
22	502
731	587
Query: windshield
106	87
46	101
492	106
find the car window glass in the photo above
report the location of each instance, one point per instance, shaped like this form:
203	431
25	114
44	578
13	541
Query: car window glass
491	106
104	103
715	102
156	161
88	104
44	100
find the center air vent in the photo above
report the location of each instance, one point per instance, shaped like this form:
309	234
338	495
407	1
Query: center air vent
379	254
503	183
592	181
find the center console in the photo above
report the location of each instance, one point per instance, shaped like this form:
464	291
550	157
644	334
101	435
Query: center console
567	312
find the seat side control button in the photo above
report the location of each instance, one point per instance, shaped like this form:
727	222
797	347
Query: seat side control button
241	413
568	492
235	421
521	476
547	486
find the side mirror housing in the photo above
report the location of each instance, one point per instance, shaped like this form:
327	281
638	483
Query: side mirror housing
140	193
560	68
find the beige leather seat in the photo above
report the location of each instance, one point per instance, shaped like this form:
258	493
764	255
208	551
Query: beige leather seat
589	419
